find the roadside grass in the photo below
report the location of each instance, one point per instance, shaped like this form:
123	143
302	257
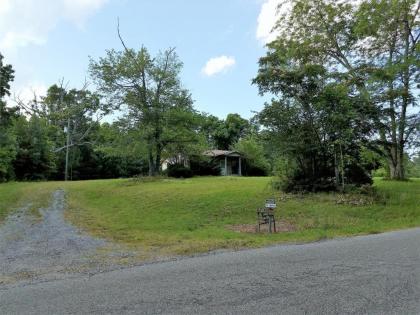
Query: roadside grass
18	194
169	216
174	216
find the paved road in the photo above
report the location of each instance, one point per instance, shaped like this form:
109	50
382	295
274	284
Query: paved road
377	274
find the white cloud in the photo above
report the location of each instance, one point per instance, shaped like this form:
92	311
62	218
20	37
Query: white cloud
79	11
271	11
27	92
33	89
218	64
28	22
5	6
276	11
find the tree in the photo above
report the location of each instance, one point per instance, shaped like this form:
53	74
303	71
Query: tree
314	123
255	162
7	141
7	115
380	61
79	112
223	134
35	158
390	53
71	115
121	153
233	128
152	91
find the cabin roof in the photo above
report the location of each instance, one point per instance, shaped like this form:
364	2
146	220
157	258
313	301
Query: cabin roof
215	153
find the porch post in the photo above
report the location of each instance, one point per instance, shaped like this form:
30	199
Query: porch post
226	166
240	167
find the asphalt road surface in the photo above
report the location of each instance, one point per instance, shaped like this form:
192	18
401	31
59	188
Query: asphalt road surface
377	274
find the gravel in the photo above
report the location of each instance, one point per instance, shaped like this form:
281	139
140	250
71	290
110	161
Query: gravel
37	249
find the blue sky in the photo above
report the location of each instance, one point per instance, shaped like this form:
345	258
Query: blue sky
219	42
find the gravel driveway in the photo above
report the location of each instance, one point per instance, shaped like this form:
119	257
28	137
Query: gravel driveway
36	249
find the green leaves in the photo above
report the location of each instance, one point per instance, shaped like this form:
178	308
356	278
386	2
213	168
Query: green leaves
159	107
348	71
6	76
7	115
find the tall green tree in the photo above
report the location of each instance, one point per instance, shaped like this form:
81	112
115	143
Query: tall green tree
151	90
378	59
252	149
390	53
233	128
314	122
71	114
35	158
224	134
7	115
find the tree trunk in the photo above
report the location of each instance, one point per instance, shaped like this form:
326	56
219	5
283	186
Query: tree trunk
405	102
157	141
158	157
400	173
396	165
336	169
151	166
342	167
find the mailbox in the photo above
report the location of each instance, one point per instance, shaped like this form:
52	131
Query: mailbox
270	203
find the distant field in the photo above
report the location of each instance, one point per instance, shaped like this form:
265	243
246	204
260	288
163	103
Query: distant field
172	216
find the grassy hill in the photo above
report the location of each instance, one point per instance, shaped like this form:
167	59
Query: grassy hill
172	216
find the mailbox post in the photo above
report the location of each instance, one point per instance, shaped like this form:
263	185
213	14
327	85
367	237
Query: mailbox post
266	215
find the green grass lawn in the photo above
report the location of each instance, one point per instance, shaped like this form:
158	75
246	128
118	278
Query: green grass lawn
14	195
170	216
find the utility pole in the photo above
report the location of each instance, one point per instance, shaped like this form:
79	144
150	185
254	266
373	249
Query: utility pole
66	172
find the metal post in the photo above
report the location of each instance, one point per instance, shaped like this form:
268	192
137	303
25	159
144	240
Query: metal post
66	171
240	167
226	166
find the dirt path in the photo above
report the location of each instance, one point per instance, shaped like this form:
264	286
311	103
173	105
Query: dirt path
34	249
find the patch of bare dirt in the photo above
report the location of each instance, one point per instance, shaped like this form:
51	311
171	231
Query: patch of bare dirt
281	227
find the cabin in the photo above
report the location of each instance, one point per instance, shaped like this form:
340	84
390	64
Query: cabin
230	162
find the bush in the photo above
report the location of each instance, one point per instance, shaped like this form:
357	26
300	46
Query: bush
204	167
357	175
293	180
254	170
305	184
179	171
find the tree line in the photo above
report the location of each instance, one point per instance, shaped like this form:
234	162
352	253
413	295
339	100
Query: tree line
344	87
62	135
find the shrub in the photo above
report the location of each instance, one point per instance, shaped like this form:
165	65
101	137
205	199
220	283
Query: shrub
306	184
254	170
179	171
292	179
357	175
204	167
